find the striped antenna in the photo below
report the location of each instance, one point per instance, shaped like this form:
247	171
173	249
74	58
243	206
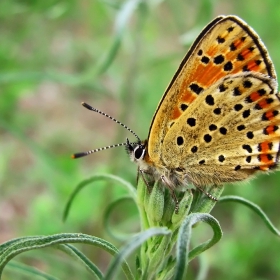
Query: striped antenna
111	118
83	154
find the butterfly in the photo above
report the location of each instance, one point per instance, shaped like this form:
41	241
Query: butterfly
218	120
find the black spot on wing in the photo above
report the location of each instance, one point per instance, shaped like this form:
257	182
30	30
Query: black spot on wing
191	122
212	127
228	66
220	40
221	158
183	106
205	59
209	100
247	147
219	59
180	140
207	138
196	88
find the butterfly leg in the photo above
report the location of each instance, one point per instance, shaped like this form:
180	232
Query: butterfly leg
173	194
137	178
207	193
142	172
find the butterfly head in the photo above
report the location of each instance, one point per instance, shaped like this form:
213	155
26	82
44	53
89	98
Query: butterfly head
136	151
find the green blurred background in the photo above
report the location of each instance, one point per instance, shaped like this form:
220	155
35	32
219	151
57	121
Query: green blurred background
118	56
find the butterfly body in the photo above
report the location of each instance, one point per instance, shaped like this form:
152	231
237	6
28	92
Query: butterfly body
219	119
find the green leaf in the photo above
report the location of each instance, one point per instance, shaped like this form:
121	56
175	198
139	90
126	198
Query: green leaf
72	251
117	235
254	207
133	244
95	178
15	247
183	255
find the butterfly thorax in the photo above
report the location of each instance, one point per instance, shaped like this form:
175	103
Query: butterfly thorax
138	153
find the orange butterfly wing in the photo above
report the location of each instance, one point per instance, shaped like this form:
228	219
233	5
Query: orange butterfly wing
226	46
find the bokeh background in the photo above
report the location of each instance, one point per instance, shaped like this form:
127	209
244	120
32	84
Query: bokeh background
118	56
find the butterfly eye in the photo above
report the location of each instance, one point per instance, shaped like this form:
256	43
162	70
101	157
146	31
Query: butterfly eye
139	152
